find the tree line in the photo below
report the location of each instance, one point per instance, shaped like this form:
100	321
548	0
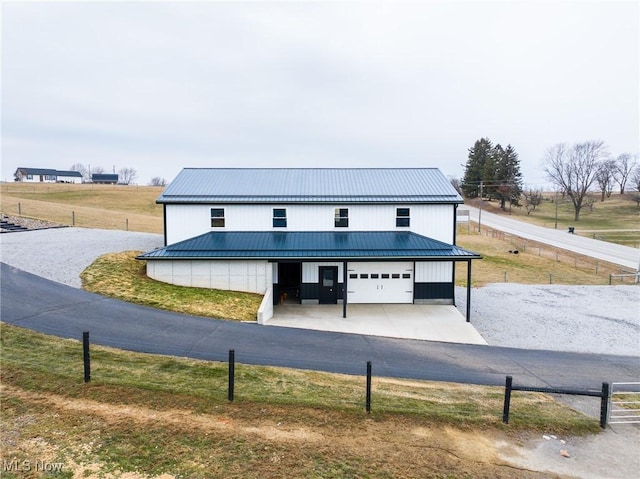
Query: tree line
126	176
493	172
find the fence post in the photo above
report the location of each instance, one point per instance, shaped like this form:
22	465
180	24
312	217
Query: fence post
127	225
73	218
19	208
507	400
505	276
232	370
610	279
86	356
368	405
550	278
604	405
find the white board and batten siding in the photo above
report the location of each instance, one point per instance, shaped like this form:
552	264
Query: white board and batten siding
251	276
433	272
431	220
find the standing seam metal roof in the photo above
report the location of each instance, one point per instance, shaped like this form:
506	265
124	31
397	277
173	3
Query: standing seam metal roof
310	244
310	185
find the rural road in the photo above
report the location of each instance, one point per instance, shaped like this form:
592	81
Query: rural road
66	312
610	252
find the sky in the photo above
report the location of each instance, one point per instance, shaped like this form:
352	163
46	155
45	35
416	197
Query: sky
161	86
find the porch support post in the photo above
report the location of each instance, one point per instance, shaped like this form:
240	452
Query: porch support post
468	291
344	289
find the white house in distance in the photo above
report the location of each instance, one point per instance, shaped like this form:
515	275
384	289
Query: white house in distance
46	175
318	236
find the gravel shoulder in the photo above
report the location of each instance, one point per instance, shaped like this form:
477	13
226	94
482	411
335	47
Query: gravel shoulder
591	319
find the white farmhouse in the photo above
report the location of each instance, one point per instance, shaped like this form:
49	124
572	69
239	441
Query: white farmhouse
318	236
46	175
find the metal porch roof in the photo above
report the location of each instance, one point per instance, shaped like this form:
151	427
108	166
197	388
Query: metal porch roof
310	245
310	185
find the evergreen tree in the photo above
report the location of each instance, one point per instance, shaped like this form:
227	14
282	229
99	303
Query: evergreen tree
474	169
508	178
497	168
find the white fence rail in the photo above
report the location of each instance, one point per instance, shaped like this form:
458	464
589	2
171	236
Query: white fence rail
624	405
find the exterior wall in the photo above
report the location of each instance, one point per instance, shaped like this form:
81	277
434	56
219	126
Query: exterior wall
38	178
310	288
251	276
434	282
186	221
69	179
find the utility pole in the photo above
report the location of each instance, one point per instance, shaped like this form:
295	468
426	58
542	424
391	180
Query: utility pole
556	201
480	209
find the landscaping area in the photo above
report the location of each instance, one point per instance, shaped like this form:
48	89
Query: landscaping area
152	416
146	416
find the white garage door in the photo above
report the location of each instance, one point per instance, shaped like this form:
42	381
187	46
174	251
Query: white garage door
380	282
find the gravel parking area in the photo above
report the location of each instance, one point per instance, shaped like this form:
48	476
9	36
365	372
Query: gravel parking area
592	319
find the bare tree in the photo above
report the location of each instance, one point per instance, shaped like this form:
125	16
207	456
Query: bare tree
532	198
97	170
574	169
605	177
625	165
635	179
82	169
457	184
127	175
157	181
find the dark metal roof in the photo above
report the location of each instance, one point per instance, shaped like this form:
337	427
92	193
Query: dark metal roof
310	185
104	177
310	245
69	173
37	171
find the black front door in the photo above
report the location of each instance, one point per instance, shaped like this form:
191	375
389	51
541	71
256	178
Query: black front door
328	284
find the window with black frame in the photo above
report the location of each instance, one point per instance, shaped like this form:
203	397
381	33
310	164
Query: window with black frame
402	217
341	217
279	218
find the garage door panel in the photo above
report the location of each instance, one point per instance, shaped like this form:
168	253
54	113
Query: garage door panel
378	282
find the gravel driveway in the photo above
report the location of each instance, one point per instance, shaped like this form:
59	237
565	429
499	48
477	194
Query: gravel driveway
596	319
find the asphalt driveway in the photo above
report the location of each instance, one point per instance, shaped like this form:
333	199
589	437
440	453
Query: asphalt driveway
53	308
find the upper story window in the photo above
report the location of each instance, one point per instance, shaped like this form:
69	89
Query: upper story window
342	218
279	218
402	217
217	217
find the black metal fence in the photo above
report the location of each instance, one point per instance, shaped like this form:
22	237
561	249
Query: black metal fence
603	394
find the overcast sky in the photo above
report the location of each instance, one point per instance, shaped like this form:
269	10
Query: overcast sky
158	86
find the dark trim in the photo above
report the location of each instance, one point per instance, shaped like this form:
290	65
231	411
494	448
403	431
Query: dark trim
344	289
432	291
468	291
278	201
164	222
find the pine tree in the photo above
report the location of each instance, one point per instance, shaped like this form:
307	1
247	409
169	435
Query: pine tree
474	169
508	178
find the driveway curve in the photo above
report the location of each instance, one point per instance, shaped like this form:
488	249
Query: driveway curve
67	312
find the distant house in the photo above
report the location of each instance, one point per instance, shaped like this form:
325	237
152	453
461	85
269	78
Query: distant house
69	177
313	236
104	178
45	175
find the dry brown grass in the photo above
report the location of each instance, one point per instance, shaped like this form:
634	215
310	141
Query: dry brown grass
534	263
88	206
